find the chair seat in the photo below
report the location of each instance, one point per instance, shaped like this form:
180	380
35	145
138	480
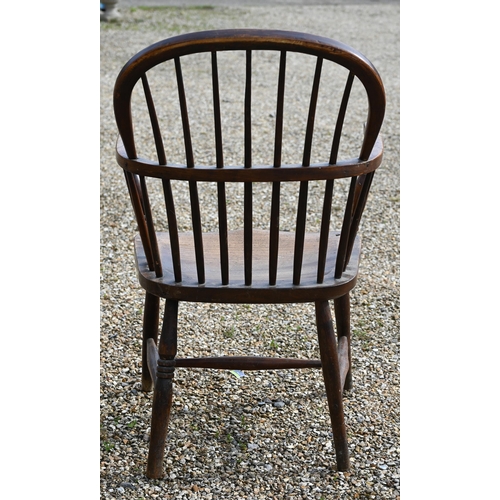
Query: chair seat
236	291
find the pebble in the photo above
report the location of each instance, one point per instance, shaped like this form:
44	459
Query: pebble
127	485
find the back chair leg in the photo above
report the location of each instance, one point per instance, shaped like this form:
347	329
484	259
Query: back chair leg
162	400
343	324
331	375
149	331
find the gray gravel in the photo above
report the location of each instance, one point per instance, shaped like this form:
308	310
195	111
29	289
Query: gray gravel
265	435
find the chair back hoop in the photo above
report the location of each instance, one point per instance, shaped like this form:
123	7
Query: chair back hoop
359	169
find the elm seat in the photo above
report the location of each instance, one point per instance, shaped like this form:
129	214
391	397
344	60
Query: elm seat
213	290
314	260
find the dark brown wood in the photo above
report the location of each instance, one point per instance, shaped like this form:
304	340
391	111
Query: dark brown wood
219	152
248	110
155	253
135	198
358	212
149	334
172	230
184	114
300	227
160	416
162	400
325	229
343	323
300	230
278	136
248	231
152	360
221	187
343	355
260	291
345	232
248	265
327	203
167	347
275	202
258	173
224	252
197	231
247	363
193	187
249	39
331	375
160	150
274	233
340	119
248	194
306	160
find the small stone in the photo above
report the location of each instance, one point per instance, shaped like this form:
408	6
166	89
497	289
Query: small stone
278	404
125	484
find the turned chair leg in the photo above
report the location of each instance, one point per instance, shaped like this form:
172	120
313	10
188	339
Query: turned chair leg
149	331
163	391
343	324
331	375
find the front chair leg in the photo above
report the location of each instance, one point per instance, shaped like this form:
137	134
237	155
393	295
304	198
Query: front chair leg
331	375
162	400
343	323
149	331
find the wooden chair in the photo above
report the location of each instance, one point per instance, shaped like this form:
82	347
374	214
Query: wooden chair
247	265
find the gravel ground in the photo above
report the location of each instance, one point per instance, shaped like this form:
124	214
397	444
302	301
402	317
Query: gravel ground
265	435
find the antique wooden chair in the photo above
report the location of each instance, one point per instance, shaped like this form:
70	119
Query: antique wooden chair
246	265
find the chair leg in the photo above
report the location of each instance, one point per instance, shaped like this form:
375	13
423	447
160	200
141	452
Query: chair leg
343	324
149	331
163	391
331	375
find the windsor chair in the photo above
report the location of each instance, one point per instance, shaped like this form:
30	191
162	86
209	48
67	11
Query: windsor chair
246	264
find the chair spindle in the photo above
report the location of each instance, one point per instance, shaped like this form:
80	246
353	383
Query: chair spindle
247	216
160	151
172	230
325	230
340	119
137	205
327	204
275	201
193	188
184	114
358	212
304	186
217	115
167	190
346	227
221	186
151	229
306	161
279	110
